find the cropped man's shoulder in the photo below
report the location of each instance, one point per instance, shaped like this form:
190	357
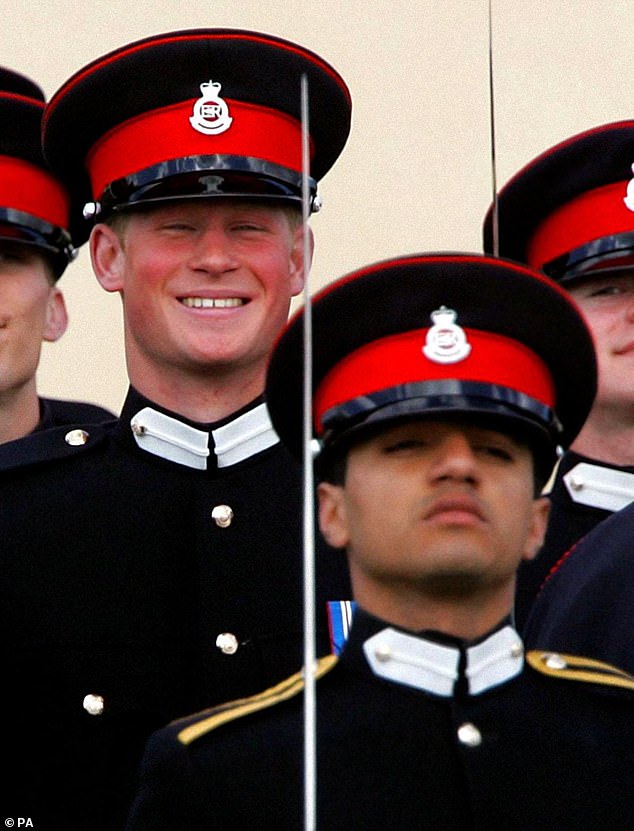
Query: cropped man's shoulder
53	445
189	730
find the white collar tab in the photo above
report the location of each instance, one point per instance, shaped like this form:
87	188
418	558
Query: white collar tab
434	668
172	439
600	487
248	434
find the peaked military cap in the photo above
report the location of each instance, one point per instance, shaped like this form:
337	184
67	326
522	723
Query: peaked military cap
437	334
195	113
34	206
570	211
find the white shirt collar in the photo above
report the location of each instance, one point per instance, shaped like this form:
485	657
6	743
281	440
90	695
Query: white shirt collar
172	439
599	486
433	667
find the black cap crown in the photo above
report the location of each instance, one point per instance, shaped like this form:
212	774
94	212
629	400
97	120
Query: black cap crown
34	206
437	334
570	211
195	114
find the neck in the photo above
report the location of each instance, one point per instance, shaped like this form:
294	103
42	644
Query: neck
607	438
460	616
20	413
205	398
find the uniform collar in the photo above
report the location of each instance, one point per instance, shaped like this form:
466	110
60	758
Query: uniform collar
595	484
199	446
441	665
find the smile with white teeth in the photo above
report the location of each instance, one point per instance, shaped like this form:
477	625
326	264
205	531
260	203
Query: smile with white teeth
212	302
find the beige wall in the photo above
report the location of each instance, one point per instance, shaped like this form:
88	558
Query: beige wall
415	175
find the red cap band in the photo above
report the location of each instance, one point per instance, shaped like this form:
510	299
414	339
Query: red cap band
164	134
25	187
594	214
399	359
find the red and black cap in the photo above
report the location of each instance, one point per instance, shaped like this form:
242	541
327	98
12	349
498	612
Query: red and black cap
34	206
570	211
438	334
195	113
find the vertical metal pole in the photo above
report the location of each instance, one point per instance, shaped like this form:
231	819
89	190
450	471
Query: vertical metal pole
495	219
310	765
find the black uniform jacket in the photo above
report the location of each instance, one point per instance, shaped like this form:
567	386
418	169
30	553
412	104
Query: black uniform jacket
584	492
135	589
588	602
473	739
56	411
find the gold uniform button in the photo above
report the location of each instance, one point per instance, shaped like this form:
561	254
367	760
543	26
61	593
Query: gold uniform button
93	704
469	735
222	515
75	438
227	643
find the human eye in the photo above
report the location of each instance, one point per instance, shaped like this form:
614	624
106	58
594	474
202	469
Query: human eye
248	226
404	444
495	450
607	290
13	256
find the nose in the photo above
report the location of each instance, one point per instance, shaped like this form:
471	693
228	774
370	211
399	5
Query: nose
454	458
213	253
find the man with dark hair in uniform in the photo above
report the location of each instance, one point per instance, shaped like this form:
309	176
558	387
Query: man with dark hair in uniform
438	410
165	573
570	213
35	248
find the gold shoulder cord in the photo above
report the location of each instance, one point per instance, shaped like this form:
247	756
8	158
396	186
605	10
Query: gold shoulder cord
217	716
576	668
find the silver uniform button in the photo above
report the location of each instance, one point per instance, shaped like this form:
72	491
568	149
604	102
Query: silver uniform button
469	735
222	515
76	438
383	652
227	643
93	704
554	661
517	650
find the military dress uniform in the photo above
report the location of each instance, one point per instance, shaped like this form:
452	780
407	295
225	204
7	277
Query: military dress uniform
585	606
414	732
164	572
418	730
56	412
570	213
583	493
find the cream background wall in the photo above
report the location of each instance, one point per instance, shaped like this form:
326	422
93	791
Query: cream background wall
416	173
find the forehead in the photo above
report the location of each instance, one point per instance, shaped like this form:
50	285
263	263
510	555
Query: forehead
208	208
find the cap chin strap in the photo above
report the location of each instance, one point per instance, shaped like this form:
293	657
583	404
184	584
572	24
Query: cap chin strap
194	177
610	253
424	398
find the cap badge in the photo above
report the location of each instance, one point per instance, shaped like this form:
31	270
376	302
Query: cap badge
446	342
629	198
211	113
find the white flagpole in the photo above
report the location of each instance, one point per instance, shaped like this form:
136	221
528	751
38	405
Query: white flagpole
310	765
495	220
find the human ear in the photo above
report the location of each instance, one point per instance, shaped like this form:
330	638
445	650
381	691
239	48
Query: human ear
332	514
537	530
56	316
107	256
297	275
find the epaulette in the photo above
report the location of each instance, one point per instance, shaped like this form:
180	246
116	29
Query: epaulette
50	445
214	717
576	668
